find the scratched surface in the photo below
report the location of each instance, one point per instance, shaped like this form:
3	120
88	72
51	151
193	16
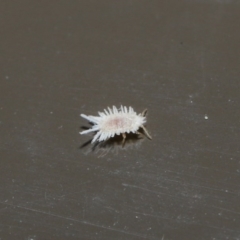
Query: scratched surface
180	59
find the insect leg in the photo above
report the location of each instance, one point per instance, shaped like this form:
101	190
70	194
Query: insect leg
146	132
144	113
124	138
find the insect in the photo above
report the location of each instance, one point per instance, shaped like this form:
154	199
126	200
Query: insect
115	122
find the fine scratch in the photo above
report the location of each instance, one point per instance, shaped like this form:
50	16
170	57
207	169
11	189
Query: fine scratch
145	189
79	221
225	209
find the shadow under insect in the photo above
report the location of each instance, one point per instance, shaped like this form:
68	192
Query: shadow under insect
117	139
114	144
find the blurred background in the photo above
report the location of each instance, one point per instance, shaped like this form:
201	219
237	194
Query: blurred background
178	58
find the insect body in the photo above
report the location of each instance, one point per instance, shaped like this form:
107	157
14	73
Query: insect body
116	121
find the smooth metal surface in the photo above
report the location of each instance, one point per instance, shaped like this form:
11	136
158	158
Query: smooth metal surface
179	59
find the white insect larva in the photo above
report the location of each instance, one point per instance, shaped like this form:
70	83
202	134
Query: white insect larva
116	121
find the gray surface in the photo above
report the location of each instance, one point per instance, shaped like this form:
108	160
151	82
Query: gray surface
180	59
